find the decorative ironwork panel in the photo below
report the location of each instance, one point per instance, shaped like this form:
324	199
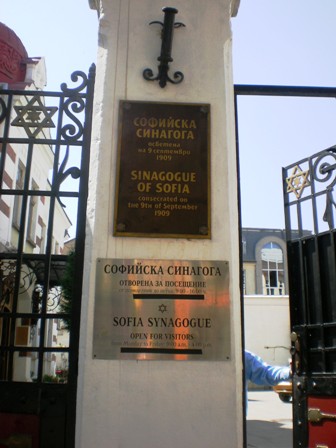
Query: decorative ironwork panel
309	194
44	165
310	228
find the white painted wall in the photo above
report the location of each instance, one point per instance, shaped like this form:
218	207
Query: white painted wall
267	328
161	403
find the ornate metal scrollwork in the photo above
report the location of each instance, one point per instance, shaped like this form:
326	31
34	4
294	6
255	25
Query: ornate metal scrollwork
75	76
28	281
324	171
53	298
324	167
8	273
74	105
3	109
319	169
62	173
71	131
34	116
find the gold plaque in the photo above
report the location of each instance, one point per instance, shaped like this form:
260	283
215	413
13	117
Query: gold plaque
162	309
163	170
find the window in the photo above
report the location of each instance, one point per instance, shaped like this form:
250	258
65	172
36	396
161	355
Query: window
43	238
244	281
244	246
32	216
272	269
20	175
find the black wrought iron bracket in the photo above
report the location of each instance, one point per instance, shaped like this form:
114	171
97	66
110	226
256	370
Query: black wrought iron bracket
165	58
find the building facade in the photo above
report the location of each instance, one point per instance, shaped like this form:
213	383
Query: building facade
264	262
265	293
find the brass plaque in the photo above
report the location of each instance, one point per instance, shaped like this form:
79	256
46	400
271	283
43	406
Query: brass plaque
162	309
163	170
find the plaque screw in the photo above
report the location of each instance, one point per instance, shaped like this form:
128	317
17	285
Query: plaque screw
121	227
203	230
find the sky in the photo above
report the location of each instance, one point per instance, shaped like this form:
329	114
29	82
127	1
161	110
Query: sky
281	42
63	31
275	42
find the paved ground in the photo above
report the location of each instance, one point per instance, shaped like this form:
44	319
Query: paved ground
269	421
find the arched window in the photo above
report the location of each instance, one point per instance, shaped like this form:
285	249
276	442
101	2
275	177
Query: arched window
272	263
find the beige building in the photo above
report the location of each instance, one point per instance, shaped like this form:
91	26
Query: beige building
265	291
264	262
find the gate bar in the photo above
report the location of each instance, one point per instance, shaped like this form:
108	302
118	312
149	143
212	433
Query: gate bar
262	90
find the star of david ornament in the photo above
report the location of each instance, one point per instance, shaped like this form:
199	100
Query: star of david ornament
162	308
34	116
297	181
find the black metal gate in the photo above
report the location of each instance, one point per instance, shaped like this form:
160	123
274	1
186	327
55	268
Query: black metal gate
45	150
310	204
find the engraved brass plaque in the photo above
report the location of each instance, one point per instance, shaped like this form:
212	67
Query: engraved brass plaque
163	170
162	309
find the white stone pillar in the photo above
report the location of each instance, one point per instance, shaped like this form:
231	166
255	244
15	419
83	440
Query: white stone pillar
162	403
